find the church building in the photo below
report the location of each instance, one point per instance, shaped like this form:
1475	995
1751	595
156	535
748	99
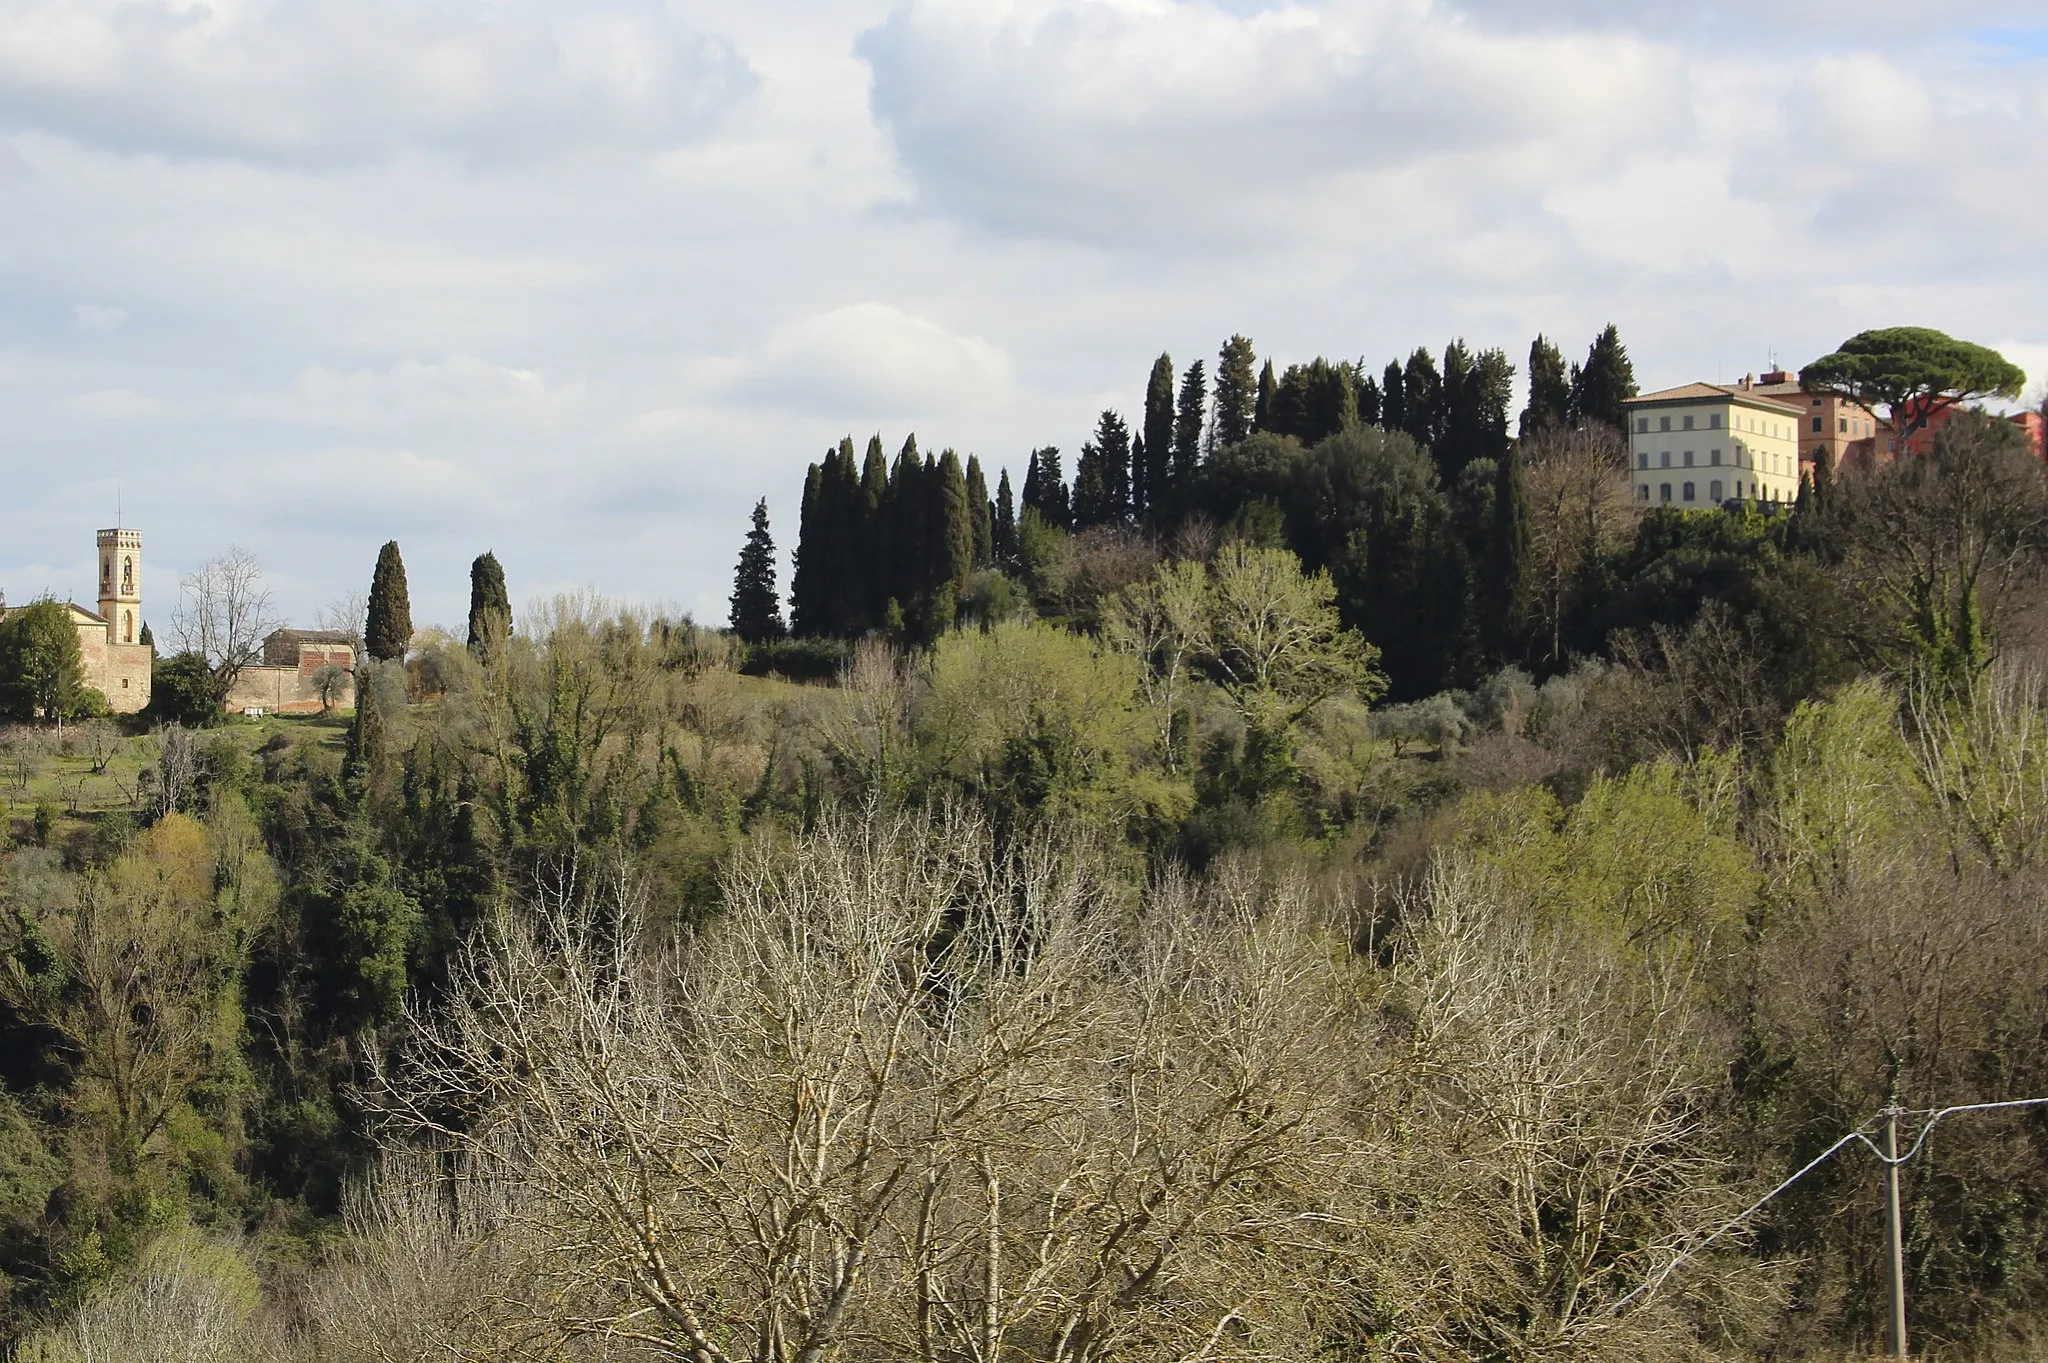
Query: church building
117	663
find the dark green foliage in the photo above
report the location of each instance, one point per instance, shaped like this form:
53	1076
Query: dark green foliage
183	690
1422	396
756	612
387	631
952	536
1367	398
490	606
363	930
366	761
1157	439
1393	398
146	639
1045	489
1262	410
1550	390
1237	391
1601	386
1189	414
1102	492
1313	401
983	512
42	670
1005	528
807	660
808	617
1507	552
1477	391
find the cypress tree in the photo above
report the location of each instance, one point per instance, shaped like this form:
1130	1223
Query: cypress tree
1237	391
756	615
909	518
983	512
843	503
1045	489
490	608
952	538
1367	397
1422	400
1393	398
366	753
1458	420
1136	477
1550	390
1187	424
1005	522
1102	475
1606	381
1158	434
388	633
1508	554
806	597
1262	412
873	571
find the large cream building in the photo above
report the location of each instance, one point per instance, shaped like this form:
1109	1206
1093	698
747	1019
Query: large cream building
1703	444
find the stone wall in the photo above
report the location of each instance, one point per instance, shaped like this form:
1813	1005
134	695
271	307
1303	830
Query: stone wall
293	690
120	672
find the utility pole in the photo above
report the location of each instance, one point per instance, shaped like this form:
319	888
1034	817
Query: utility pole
1897	1256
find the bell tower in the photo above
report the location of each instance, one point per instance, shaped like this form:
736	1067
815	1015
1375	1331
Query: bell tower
121	584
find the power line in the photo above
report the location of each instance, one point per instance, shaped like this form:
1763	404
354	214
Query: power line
1862	1134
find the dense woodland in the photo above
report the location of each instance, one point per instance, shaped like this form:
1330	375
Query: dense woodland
1329	880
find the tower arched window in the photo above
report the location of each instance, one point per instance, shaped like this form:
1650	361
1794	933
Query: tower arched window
127	577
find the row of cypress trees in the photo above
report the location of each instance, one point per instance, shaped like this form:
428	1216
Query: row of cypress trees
889	547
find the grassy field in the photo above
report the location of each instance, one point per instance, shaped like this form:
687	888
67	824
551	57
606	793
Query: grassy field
85	774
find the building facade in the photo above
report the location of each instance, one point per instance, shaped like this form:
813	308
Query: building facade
117	663
1702	444
294	673
1829	424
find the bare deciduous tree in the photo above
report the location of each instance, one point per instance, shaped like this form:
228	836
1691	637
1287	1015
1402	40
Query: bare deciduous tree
906	1099
1575	484
223	613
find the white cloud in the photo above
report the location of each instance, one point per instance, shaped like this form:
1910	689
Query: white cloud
325	80
460	387
865	361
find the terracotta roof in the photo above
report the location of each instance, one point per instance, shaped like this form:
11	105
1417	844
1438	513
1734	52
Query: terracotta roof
1707	392
281	646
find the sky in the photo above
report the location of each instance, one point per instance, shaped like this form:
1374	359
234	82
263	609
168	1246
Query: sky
579	282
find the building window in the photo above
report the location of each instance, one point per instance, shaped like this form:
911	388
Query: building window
1816	402
1714	491
1818	426
1688	458
1713	421
1688	423
124	683
1642	425
127	577
1643	460
1663	492
1714	458
1642	492
1688	492
1844	424
1664	460
1663	423
127	628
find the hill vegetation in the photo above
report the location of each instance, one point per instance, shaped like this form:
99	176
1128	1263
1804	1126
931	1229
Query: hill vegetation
1337	887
